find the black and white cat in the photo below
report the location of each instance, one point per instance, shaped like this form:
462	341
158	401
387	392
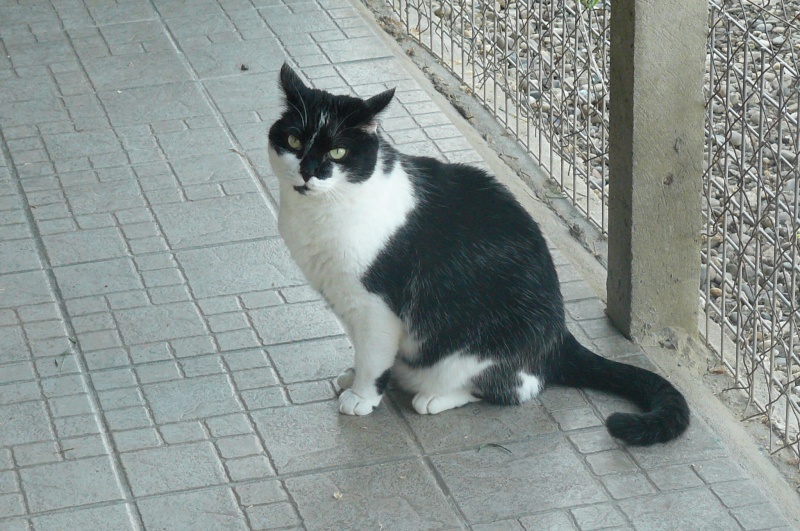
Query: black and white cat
440	277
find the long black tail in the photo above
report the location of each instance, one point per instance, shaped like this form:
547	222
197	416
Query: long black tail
666	414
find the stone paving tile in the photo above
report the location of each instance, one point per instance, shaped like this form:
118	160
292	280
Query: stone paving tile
738	493
717	470
218	220
615	347
84	246
193	142
500	525
311	360
191	398
245	93
623	486
213	25
32	112
698	443
492	483
591	441
18	255
692	509
206	169
600	516
201	509
553	521
24	422
227	58
610	462
24	288
674	477
36	454
143	105
163	362
70	484
475	425
239	268
359	49
173	468
158	323
574	419
393	496
137	70
302	393
100	198
295	322
13	344
117	516
337	440
763	516
115	12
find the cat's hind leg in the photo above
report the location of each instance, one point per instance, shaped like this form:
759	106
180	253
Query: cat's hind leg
447	384
426	404
506	385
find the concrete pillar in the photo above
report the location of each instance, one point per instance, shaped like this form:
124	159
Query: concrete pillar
656	151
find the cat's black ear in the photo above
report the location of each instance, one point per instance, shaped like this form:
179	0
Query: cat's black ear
293	86
375	105
379	102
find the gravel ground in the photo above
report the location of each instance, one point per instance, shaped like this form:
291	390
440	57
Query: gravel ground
752	254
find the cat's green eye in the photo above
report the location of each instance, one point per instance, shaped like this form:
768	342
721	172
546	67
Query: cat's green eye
294	143
337	153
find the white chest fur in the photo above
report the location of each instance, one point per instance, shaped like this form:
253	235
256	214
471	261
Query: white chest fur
335	236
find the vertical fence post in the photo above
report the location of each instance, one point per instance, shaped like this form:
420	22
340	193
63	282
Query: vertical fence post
655	156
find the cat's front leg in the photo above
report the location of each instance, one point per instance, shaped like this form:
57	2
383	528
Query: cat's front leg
375	332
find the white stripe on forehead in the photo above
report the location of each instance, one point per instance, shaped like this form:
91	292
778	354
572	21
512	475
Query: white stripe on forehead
310	142
323	121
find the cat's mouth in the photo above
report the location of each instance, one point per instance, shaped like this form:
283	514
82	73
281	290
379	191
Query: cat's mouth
302	190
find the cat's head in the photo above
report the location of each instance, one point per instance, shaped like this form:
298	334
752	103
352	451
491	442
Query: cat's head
322	141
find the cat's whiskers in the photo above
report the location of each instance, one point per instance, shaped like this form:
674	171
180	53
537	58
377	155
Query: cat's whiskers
301	115
304	114
336	197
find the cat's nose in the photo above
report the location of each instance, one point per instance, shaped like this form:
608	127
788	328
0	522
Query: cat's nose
308	168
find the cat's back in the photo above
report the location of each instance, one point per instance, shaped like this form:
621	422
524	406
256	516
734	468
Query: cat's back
469	254
459	202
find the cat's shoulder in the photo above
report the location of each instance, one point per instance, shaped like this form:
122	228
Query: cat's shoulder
453	178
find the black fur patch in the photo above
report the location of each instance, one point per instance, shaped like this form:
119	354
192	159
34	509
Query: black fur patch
382	382
470	270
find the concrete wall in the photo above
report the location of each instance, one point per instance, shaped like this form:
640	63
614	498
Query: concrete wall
656	152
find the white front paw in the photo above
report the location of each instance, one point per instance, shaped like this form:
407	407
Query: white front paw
351	403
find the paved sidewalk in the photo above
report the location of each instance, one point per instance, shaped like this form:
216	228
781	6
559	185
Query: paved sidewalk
163	364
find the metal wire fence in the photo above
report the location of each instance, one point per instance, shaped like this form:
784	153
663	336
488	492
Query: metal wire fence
750	251
542	68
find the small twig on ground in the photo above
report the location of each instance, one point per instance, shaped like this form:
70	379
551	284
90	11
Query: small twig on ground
495	445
